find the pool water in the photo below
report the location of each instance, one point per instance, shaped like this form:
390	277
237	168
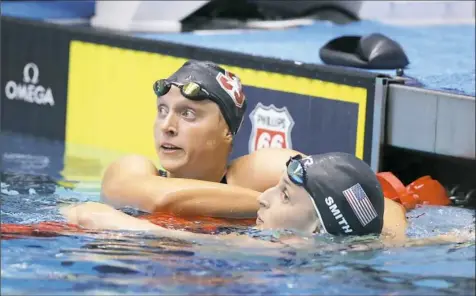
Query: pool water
117	263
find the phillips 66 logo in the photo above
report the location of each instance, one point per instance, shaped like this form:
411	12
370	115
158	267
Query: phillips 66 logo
271	128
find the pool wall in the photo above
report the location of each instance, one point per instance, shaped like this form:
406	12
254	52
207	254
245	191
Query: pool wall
94	89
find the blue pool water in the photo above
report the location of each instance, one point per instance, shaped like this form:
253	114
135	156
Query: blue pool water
129	263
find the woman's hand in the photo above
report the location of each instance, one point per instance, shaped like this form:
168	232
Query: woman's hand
92	215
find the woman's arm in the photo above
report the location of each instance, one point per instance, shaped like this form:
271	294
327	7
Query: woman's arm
97	216
132	181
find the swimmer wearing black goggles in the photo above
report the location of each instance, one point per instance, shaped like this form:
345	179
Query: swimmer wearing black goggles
345	192
192	91
198	81
328	181
296	171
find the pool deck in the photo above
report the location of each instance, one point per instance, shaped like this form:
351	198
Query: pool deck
441	57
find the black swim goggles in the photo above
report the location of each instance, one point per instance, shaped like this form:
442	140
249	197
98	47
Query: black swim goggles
190	90
297	174
296	171
195	92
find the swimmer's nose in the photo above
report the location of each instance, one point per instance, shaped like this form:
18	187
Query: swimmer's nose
263	198
169	125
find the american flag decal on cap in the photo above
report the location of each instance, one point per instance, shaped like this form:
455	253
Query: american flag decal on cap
360	203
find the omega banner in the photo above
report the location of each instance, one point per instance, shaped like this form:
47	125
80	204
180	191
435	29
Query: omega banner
94	90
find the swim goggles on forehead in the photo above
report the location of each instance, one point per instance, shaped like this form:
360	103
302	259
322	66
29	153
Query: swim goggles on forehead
190	90
296	171
195	92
